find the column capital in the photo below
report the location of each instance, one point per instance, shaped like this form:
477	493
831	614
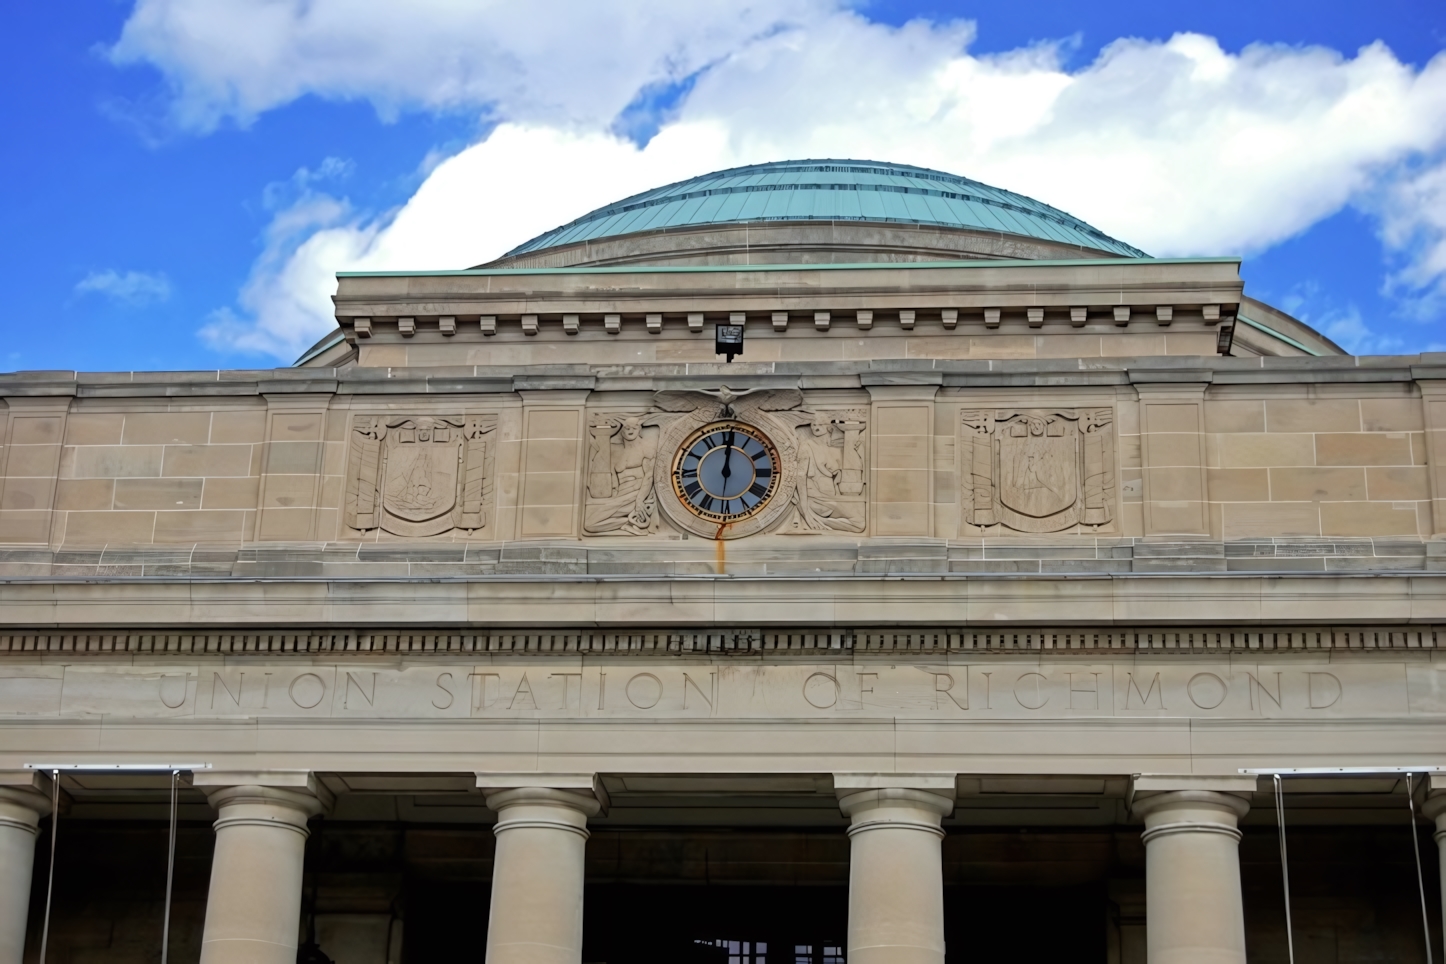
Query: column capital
24	798
1171	804
269	797
583	792
877	801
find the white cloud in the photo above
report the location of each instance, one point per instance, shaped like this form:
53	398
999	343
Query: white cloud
1413	225
562	61
1177	146
132	288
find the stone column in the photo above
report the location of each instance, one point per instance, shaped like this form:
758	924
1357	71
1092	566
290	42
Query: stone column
896	874
253	910
24	799
1194	913
537	873
1435	808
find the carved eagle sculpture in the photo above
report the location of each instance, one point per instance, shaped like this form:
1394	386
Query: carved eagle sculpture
736	404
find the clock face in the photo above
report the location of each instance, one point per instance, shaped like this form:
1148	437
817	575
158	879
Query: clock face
725	471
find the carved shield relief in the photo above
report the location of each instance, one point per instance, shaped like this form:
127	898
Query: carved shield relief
419	476
1038	470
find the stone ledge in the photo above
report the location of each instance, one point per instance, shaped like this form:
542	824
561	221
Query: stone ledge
719	603
790	555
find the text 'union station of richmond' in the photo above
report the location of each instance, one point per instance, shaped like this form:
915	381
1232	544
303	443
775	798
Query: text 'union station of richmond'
821	562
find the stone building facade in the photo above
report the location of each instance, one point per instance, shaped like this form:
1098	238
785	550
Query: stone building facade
943	622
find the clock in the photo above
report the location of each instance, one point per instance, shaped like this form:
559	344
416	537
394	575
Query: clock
726	471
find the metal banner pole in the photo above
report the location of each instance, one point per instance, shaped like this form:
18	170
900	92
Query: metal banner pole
50	884
170	870
1285	866
1416	849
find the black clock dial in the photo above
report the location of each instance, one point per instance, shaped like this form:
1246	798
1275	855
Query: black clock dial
725	471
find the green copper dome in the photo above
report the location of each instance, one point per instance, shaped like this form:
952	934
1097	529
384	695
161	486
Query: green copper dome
831	190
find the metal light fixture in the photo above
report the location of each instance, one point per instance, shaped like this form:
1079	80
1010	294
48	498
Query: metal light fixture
728	340
1225	338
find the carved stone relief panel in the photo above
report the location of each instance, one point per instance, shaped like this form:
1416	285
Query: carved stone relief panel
829	492
420	475
1037	470
621	490
771	412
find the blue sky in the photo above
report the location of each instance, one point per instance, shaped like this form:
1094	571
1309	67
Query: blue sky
180	200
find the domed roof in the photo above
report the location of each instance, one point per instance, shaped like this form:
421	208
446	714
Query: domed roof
831	190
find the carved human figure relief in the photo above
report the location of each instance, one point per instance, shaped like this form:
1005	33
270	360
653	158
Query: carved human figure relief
421	475
1037	470
829	494
621	491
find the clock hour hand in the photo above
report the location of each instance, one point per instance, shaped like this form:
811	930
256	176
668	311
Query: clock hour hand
727	454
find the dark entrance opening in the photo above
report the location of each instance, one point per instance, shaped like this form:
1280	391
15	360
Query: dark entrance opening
1024	925
712	924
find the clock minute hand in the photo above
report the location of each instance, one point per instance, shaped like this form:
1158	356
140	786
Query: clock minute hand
727	454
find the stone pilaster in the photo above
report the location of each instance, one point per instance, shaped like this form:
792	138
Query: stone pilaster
253	910
24	799
1172	450
537	873
1193	907
896	875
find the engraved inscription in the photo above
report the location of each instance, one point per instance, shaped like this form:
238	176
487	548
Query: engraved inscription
730	690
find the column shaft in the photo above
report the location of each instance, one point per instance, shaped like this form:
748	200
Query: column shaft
253	911
1435	808
20	813
896	876
1194	913
537	875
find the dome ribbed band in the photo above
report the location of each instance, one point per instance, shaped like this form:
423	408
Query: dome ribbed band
896	825
1189	826
225	822
534	824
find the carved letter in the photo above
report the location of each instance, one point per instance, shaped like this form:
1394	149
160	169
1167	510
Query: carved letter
1257	686
216	681
482	702
865	689
351	681
1204	695
565	678
450	697
947	679
707	697
523	687
1093	691
320	693
633	699
1134	690
1038	691
833	692
185	678
1320	686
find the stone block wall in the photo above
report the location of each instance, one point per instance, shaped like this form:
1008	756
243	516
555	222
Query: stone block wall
1275	464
